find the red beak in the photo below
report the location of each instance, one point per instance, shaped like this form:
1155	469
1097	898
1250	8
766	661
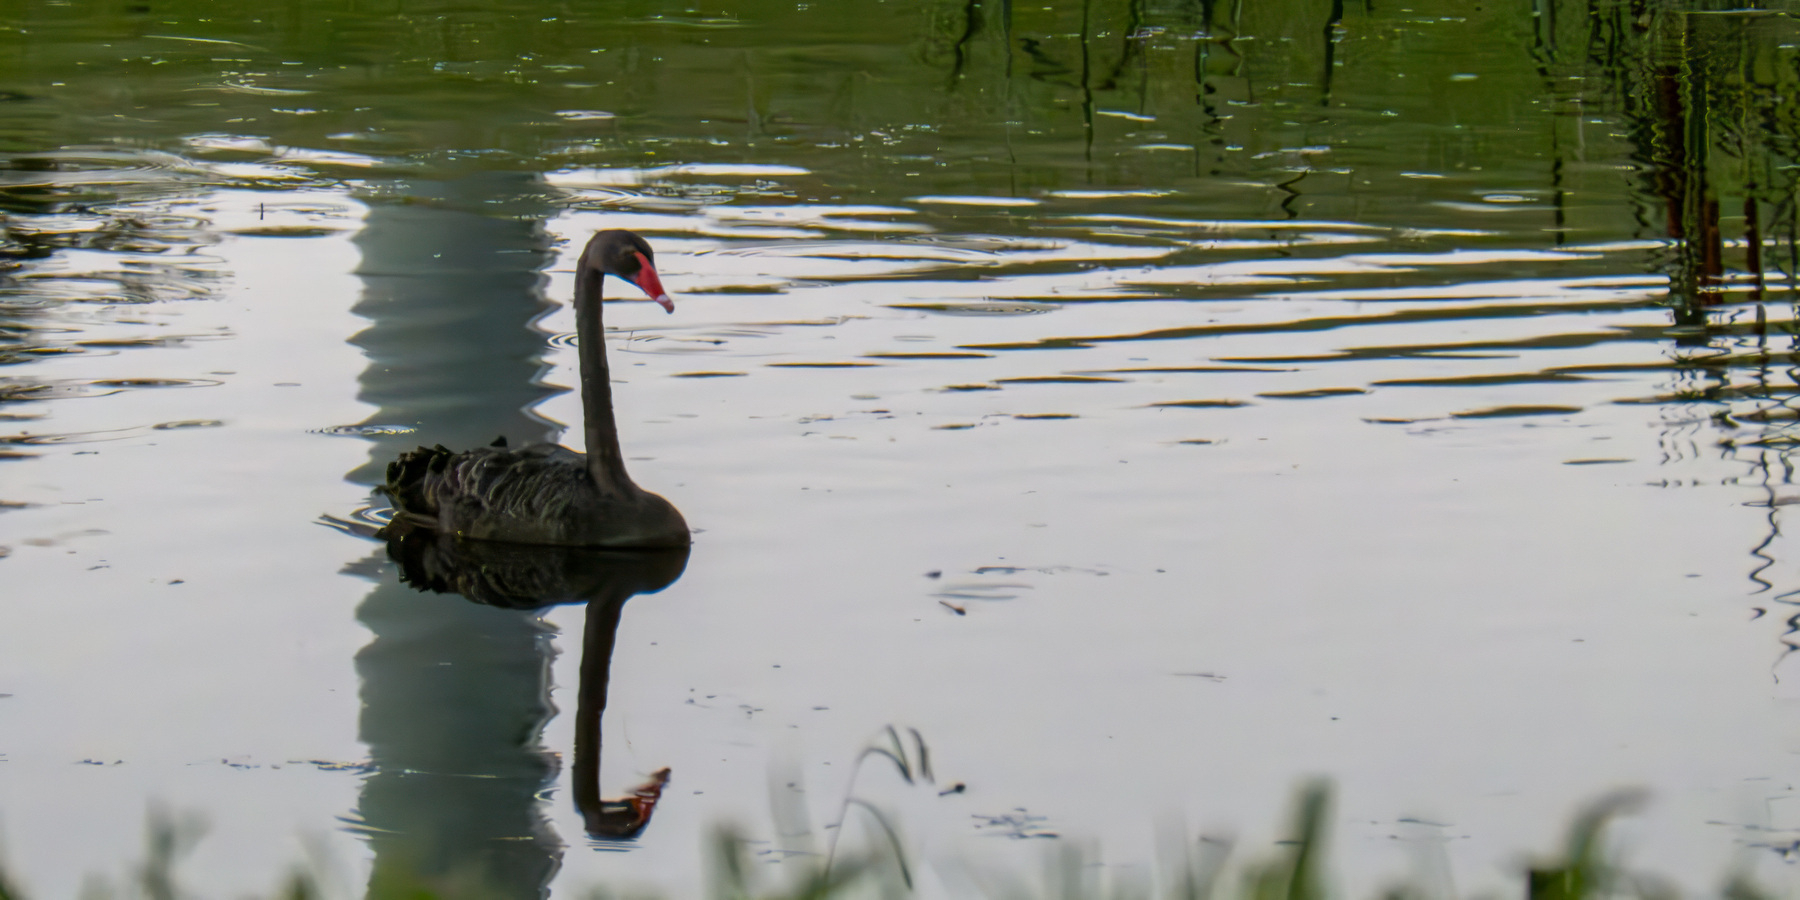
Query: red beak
650	283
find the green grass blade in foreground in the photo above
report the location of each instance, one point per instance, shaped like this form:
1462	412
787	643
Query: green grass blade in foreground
1585	871
1296	871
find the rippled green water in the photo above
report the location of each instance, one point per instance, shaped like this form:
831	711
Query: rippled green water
1152	403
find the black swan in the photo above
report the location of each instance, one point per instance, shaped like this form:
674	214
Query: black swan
547	494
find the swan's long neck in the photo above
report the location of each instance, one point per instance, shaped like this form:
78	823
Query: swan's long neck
598	640
605	463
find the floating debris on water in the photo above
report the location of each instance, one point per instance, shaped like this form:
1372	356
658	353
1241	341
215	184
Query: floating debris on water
1019	824
981	308
363	430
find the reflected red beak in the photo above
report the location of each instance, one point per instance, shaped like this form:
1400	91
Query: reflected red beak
650	283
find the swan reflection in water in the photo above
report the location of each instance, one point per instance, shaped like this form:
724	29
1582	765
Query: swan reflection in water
523	577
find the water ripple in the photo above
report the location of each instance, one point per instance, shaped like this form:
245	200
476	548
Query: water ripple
110	434
16	389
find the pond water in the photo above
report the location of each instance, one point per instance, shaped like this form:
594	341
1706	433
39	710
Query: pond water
1152	404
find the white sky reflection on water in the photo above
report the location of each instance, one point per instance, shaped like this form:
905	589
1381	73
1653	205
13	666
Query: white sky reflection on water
1441	613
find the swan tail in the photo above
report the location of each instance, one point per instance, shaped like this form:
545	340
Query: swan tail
412	479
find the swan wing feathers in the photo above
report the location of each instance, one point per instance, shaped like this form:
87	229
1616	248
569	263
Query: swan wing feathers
477	492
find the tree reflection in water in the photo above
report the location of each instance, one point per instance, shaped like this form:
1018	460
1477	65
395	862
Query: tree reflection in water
455	696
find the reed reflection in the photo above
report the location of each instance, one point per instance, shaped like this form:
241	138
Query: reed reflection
1706	112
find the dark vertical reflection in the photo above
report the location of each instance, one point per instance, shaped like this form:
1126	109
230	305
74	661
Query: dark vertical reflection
1706	105
629	574
454	695
520	577
1218	78
1333	22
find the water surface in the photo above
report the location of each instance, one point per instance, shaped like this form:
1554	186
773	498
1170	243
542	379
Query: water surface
1152	404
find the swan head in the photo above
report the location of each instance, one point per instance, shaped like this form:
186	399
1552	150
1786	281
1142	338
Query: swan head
623	254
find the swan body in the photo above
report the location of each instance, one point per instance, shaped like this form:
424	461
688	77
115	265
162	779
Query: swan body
547	494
